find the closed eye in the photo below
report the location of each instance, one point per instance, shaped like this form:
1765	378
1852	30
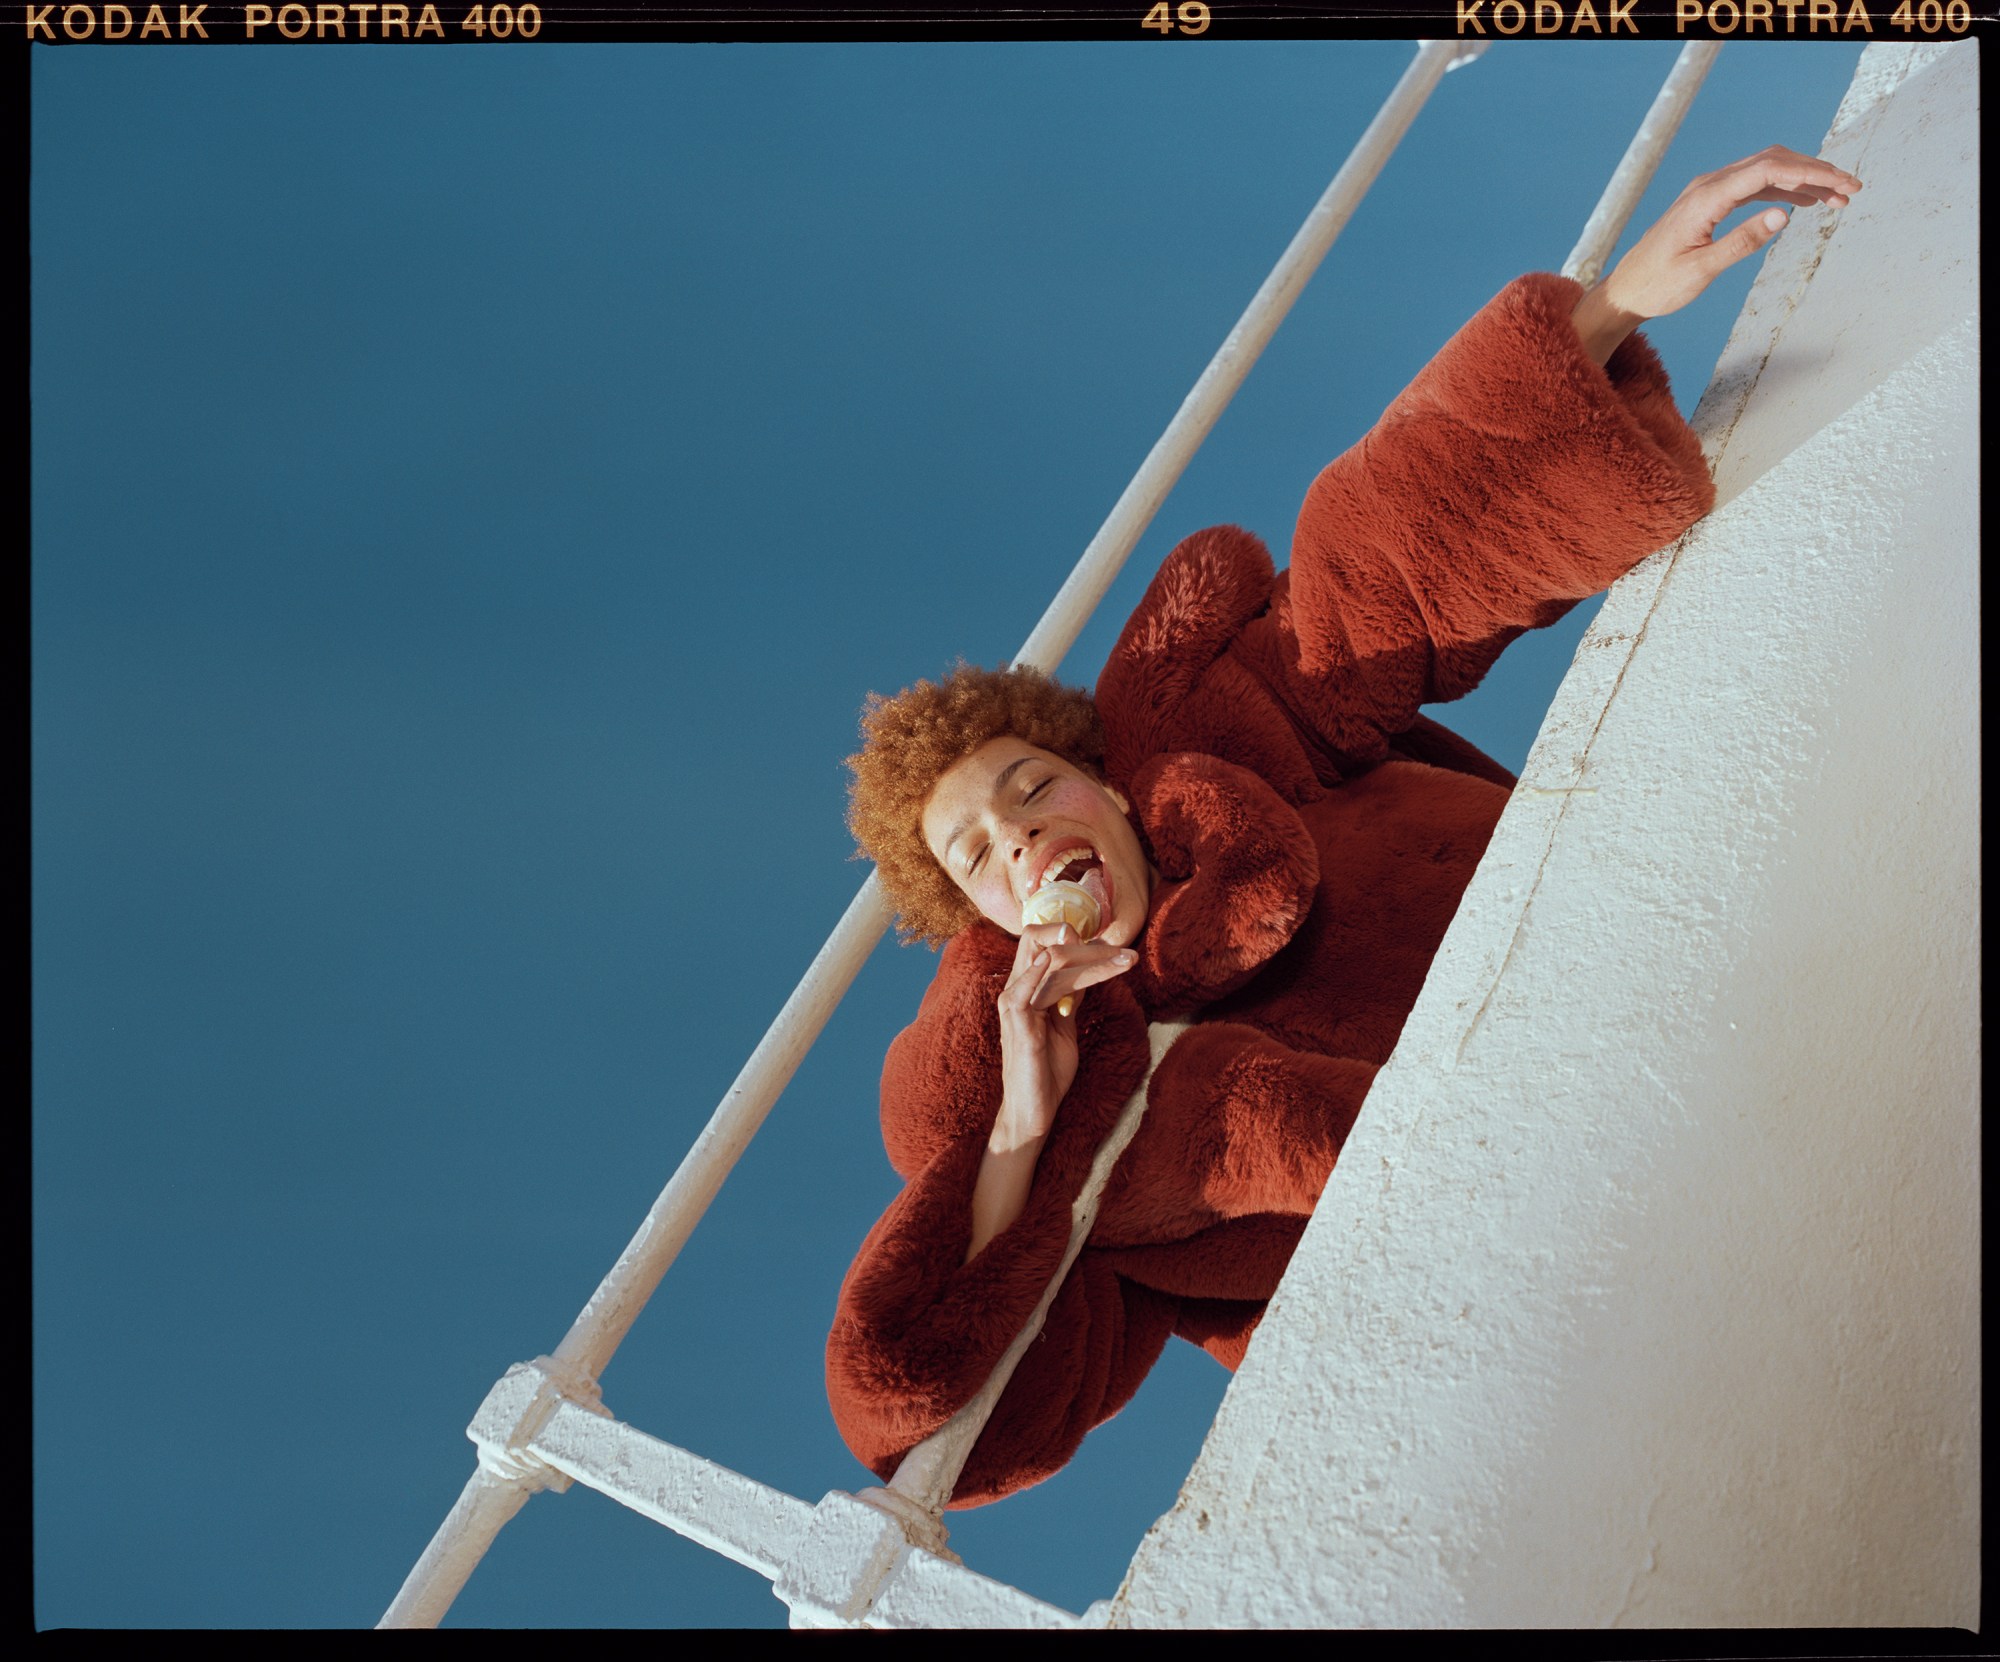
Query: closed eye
974	862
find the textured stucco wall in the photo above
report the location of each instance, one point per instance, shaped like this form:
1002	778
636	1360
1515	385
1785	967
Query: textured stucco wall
1646	1291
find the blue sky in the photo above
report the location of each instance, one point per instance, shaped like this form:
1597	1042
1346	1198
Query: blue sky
472	493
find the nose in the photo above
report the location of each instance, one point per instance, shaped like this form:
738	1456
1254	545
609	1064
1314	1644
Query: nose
1020	838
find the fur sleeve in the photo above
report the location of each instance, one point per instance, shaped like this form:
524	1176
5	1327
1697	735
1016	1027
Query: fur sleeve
941	1077
1511	479
917	1334
918	1330
1103	1335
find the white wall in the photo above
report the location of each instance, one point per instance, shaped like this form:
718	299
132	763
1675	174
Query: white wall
1646	1291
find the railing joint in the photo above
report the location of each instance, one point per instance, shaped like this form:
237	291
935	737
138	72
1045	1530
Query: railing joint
1467	51
921	1526
514	1413
841	1562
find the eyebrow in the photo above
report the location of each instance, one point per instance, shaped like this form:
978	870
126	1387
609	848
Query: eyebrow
1000	779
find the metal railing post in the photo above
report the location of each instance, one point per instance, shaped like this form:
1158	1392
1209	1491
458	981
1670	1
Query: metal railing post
483	1506
1640	162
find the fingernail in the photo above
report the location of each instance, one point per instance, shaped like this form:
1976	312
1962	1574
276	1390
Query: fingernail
1125	958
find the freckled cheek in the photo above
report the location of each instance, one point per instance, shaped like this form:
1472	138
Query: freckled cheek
996	900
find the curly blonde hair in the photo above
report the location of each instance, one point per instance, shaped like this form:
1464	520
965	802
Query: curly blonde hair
912	740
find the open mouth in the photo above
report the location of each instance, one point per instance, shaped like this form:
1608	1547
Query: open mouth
1072	871
1082	866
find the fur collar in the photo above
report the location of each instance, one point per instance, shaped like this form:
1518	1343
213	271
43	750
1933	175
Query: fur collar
1238	871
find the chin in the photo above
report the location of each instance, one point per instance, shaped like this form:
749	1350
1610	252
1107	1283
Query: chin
1134	919
1124	931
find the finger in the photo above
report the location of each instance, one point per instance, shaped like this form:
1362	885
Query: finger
1063	980
1745	240
1053	983
1036	938
1782	170
1074	951
1047	990
1089	975
1810	193
1064	960
1780	156
1026	981
1048	985
1755	179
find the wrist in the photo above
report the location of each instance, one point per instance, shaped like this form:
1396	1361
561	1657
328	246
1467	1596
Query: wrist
1603	322
1009	1139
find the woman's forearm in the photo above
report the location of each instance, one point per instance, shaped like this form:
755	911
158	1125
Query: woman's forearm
1006	1173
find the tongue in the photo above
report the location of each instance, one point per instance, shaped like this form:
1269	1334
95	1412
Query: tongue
1091	878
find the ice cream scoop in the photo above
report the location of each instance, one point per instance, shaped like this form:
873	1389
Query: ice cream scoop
1064	902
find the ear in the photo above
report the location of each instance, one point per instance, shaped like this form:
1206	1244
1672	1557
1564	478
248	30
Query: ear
1124	802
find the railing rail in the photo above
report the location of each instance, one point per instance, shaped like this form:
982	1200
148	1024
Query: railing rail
1640	162
848	1557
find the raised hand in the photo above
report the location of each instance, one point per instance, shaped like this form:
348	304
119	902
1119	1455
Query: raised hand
1038	1062
1681	255
1038	1047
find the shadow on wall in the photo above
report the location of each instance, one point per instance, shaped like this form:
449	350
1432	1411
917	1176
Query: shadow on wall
1879	295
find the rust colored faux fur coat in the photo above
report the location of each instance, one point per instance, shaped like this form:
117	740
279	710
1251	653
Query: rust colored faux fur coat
1313	834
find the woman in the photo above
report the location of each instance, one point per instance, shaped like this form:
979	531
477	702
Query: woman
1274	840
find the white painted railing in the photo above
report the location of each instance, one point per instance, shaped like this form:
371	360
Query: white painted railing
1640	162
879	1559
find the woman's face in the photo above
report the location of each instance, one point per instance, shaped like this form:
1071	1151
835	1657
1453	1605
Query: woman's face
1010	816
